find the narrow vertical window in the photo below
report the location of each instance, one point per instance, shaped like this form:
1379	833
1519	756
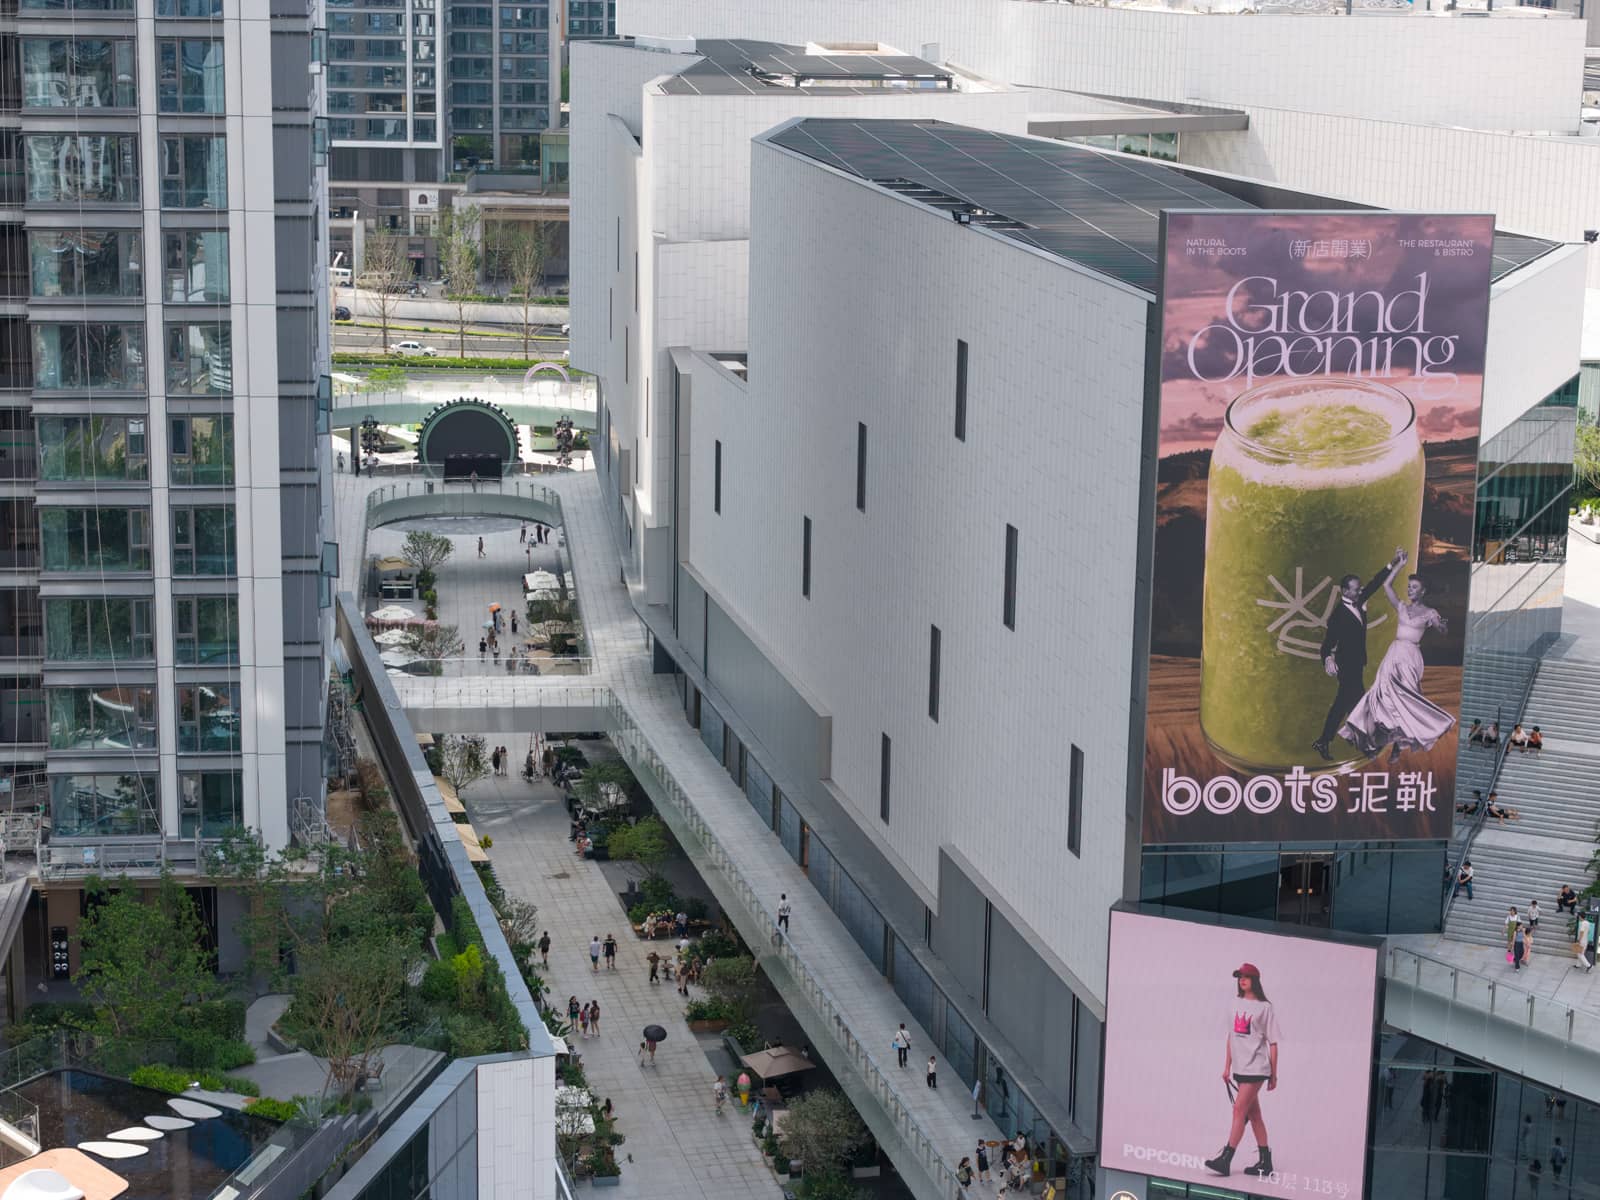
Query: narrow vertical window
961	391
716	479
1075	802
1011	577
636	283
805	558
635	462
861	466
627	351
883	781
933	673
619	245
611	313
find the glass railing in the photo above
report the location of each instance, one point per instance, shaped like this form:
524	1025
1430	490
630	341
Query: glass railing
1489	1018
682	813
503	665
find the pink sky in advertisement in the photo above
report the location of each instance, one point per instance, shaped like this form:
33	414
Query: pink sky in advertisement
1298	1042
1321	389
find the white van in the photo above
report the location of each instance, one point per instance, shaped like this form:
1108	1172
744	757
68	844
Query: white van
339	276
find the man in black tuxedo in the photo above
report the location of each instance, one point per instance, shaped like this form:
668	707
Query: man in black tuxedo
1344	648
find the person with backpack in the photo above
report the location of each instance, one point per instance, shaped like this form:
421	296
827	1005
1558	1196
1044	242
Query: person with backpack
964	1173
901	1043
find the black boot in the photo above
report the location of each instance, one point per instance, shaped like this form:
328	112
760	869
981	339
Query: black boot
1221	1162
1263	1164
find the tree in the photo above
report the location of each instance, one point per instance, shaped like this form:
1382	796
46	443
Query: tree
384	266
646	843
1587	458
525	256
821	1130
434	641
426	551
519	921
462	760
735	984
348	997
145	959
459	237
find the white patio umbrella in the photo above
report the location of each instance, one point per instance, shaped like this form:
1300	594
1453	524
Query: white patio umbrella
393	612
399	658
391	637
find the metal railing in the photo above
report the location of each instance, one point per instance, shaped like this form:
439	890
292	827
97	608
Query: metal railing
1475	826
64	859
500	663
646	763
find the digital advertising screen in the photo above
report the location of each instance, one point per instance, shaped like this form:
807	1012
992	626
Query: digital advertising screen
1321	385
1237	1058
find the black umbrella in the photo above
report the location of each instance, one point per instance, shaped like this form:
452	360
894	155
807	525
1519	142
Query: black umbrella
654	1033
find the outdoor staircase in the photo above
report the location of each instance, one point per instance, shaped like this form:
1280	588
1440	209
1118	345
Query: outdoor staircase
1556	792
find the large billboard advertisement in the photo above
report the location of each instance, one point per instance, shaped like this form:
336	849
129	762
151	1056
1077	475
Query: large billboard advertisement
1239	1056
1321	387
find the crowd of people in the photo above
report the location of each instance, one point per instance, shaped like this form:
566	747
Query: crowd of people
1012	1165
1487	737
1521	927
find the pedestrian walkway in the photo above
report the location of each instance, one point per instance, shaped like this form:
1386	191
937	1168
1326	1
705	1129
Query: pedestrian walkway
679	1148
847	1007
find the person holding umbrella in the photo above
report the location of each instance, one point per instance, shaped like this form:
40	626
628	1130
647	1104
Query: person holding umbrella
653	1036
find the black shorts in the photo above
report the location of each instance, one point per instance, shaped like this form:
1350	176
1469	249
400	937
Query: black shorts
1251	1078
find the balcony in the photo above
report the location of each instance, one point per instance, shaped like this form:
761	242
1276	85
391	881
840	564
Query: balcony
72	858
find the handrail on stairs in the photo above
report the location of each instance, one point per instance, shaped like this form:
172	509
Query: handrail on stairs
1482	815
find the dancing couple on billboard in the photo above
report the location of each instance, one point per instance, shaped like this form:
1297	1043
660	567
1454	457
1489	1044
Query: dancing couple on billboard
1393	712
1250	1061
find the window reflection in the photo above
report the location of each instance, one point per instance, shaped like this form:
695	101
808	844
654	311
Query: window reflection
78	357
77	73
102	718
210	802
69	167
103	805
92	448
86	262
208	717
95	539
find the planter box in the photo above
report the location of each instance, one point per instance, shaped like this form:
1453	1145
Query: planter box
607	1181
709	1026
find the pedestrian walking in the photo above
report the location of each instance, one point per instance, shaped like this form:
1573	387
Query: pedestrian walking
1558	1159
783	912
1513	923
583	1022
1533	914
901	1043
683	980
933	1072
522	534
611	952
1464	878
1388	1086
341	460
594	953
544	947
494	759
680	923
964	1174
983	1161
1519	948
1580	947
494	652
513	624
654	960
483	649
480	547
594	1018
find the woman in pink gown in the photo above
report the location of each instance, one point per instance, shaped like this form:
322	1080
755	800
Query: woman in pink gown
1394	712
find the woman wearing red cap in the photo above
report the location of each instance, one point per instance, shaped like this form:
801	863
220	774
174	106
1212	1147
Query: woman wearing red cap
1250	1060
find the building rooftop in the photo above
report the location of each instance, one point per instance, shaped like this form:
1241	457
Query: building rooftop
1089	207
730	67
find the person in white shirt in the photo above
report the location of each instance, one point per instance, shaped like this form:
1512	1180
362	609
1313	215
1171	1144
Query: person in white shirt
901	1043
783	912
1580	947
1249	1062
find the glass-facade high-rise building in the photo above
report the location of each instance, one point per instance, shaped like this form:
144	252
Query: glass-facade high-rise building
162	506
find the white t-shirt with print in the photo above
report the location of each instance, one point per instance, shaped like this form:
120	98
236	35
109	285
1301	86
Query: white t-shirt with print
1254	1028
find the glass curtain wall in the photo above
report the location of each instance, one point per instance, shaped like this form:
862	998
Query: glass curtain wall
86	262
78	73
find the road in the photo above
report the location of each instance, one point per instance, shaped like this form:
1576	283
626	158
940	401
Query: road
358	339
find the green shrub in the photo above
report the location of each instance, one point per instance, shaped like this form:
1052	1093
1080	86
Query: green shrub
769	1144
572	1075
716	944
467	969
438	982
658	891
470	1034
603	1162
695	908
705	1010
829	1185
780	1163
203	1050
451	363
745	1033
48	1016
273	1110
175	1081
225	1018
755	1125
231	1055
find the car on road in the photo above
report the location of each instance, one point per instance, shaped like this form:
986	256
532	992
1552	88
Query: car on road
341	313
409	347
406	287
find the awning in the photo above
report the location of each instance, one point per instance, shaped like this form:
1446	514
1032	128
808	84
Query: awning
469	839
777	1062
452	802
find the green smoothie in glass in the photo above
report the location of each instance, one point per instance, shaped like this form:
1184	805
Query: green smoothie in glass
1311	480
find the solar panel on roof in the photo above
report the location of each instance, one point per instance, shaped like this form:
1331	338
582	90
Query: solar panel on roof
1083	205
